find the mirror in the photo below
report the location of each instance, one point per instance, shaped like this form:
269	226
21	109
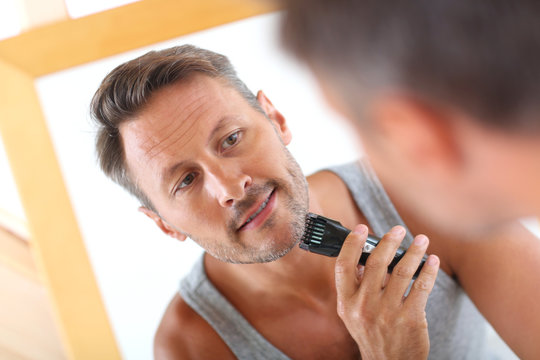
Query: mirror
136	266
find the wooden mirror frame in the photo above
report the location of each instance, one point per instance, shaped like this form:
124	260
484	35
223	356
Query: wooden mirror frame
56	241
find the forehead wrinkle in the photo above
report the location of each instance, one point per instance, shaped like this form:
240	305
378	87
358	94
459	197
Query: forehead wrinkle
149	107
159	146
165	146
153	141
184	133
177	125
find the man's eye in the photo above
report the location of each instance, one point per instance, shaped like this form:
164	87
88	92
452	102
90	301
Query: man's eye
187	181
231	140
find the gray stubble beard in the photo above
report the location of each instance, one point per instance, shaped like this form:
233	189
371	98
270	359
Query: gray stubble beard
298	208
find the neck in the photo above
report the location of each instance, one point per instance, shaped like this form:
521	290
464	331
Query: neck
298	271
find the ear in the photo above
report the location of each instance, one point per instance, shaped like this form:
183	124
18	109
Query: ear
162	224
415	132
276	117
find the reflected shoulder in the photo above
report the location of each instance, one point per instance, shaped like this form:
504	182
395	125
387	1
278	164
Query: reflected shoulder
184	334
334	198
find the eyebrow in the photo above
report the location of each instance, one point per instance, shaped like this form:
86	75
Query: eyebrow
168	173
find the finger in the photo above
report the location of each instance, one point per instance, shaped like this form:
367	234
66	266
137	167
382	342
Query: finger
376	266
359	272
404	270
386	279
422	286
347	261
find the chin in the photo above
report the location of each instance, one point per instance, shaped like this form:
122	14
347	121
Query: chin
255	256
276	254
268	250
275	249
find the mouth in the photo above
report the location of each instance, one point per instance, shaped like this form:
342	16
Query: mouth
260	214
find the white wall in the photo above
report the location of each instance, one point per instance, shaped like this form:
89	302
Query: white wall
137	267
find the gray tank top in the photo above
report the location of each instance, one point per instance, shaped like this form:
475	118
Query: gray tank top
456	328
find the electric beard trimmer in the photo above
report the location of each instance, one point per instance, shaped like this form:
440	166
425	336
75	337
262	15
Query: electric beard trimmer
325	236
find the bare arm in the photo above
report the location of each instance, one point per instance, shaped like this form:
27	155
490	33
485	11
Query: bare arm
501	275
384	323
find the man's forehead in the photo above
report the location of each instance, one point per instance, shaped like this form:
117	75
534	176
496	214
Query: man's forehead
176	109
182	99
181	117
146	138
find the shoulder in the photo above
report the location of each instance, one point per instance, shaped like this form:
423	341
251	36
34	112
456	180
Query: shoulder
184	334
326	181
507	248
334	197
325	184
500	275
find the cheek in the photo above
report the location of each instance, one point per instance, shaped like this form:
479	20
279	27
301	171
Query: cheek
264	154
190	216
204	214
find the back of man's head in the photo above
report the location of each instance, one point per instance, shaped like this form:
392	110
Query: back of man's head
481	57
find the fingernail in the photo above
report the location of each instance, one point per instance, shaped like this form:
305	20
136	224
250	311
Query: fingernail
360	229
420	240
397	230
432	260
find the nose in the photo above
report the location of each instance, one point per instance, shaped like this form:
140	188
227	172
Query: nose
227	184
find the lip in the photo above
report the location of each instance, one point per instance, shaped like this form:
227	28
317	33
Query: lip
261	216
